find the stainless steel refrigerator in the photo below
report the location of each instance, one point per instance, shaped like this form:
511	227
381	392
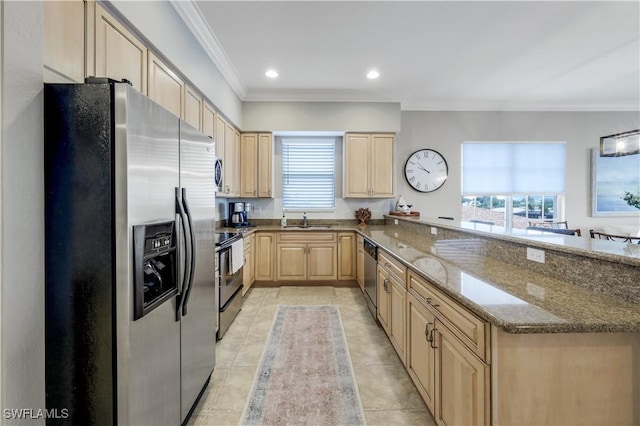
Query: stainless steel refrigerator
129	275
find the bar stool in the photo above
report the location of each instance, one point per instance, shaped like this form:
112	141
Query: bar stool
549	224
575	232
613	237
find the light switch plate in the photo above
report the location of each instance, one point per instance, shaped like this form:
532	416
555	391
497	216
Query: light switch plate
395	221
434	230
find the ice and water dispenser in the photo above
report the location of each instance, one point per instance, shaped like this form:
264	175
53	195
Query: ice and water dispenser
155	266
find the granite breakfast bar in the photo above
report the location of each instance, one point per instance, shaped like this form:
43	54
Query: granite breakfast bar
489	337
558	350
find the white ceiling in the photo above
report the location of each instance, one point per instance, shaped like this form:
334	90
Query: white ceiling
475	55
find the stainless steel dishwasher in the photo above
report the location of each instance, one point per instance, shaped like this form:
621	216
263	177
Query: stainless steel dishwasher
370	264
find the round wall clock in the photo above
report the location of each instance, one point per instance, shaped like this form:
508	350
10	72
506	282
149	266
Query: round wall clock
426	170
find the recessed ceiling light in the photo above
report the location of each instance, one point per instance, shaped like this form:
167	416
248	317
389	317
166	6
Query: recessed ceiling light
373	74
271	73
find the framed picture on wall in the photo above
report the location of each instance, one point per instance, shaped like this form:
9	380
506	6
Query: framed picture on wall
615	185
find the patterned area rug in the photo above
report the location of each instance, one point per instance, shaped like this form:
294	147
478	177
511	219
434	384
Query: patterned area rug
305	376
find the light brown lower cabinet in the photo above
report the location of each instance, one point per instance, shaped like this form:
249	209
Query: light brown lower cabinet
264	256
248	271
392	298
346	252
306	256
462	381
453	381
420	355
360	261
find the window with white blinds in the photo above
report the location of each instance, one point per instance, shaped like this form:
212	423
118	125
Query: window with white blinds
308	174
490	168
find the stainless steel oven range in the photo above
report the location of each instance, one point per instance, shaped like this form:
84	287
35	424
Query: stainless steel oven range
229	280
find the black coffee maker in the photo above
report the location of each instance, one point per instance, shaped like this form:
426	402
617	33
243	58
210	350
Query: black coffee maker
237	216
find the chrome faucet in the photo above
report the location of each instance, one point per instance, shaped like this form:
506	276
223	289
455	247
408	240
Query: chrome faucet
304	220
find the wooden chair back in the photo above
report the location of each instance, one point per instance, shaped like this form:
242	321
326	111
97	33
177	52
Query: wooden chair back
613	237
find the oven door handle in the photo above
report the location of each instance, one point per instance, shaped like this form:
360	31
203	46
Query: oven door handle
187	255
192	240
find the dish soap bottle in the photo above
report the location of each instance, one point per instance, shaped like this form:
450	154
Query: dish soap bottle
283	221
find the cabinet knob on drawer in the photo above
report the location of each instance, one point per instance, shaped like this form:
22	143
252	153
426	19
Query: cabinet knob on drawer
428	299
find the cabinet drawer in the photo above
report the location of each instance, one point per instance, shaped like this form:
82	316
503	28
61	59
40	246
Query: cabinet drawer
393	266
306	237
466	326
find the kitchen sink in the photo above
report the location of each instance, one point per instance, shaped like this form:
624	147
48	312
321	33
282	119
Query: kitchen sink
308	227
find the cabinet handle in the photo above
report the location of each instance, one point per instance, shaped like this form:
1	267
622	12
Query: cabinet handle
386	285
433	338
427	333
428	299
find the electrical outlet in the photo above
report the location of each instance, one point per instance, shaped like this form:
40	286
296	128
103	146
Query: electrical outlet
434	230
535	291
535	255
395	221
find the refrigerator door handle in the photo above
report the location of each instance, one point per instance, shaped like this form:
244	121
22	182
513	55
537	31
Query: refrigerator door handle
187	257
192	238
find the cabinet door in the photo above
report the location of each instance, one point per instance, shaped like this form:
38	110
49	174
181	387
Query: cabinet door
165	87
249	162
381	169
265	160
384	300
193	106
209	121
264	260
420	354
398	318
64	49
246	270
462	382
360	262
322	261
356	166
291	262
252	256
118	54
231	162
346	260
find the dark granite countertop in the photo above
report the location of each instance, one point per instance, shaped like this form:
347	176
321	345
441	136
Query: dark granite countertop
514	299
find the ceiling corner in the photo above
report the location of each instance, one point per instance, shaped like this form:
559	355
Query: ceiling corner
191	15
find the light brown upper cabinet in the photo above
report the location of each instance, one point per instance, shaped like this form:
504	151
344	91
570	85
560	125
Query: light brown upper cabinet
64	49
368	165
117	53
165	87
256	157
193	106
209	122
231	161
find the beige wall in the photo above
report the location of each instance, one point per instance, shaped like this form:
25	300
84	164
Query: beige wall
22	210
445	131
321	116
163	28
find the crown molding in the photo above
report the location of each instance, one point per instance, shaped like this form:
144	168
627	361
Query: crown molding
191	15
518	106
296	95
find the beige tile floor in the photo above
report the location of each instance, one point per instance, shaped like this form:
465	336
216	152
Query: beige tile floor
386	390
